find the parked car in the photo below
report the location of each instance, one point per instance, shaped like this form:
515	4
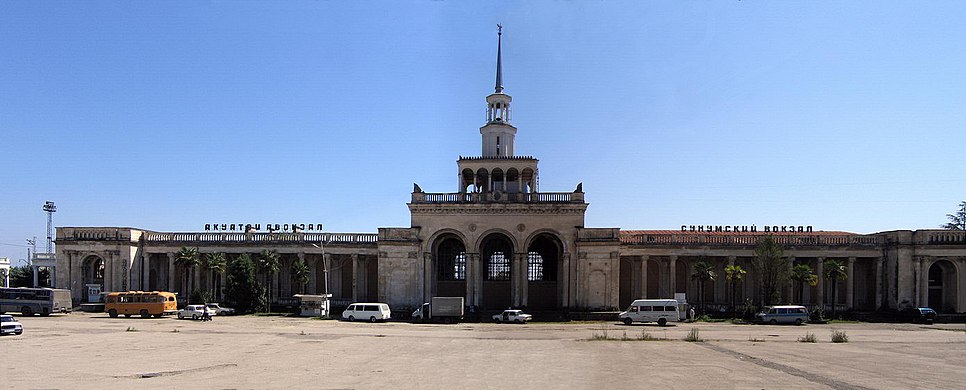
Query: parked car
195	312
512	315
9	325
920	315
219	310
367	311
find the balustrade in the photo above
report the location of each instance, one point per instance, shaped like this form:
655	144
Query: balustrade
506	197
750	240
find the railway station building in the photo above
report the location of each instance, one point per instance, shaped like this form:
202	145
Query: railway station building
501	241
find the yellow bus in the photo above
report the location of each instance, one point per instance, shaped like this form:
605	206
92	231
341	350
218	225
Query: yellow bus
143	303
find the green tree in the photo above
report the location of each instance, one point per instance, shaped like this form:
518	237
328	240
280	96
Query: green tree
834	271
269	263
21	276
771	268
241	285
300	273
702	272
957	221
735	274
802	274
187	258
213	264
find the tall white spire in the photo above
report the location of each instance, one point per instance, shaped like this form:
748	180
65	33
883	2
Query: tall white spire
498	133
499	59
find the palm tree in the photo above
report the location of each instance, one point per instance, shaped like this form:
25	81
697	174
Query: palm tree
801	274
734	274
834	271
187	258
269	263
214	263
300	273
703	272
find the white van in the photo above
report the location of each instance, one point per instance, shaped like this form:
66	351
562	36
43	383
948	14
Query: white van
367	311
651	310
787	314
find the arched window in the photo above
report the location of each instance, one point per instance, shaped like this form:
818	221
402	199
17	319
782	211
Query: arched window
497	252
451	260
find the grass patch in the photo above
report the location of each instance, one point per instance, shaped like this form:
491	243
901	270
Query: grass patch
693	336
843	322
131	329
756	339
807	338
175	330
600	333
839	336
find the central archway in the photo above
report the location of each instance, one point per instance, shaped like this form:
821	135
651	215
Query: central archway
543	260
93	273
449	254
942	287
496	253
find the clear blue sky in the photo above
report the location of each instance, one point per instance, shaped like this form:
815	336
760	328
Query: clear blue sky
169	115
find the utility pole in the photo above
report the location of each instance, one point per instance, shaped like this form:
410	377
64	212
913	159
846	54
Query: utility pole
50	209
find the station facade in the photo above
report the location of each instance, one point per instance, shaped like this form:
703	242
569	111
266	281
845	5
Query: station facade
500	241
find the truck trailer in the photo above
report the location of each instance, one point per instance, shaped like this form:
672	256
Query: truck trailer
448	310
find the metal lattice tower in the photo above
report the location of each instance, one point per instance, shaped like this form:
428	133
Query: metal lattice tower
50	209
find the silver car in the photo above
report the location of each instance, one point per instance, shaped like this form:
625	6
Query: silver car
9	325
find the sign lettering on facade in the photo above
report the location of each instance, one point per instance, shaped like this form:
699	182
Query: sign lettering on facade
270	227
746	228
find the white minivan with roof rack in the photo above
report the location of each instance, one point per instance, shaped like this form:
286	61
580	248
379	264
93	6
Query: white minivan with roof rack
371	312
651	310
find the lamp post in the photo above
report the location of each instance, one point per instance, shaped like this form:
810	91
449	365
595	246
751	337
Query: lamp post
325	277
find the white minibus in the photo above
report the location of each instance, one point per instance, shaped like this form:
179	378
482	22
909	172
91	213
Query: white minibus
651	310
367	311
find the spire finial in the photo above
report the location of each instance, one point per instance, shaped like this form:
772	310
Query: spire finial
499	61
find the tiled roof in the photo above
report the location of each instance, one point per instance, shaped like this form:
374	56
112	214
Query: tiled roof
758	233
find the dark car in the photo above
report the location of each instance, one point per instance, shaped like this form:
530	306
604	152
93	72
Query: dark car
920	315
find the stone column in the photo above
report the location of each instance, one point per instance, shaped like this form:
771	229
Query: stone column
566	281
790	287
922	265
820	291
327	274
644	260
516	298
524	278
108	272
168	285
313	285
672	274
145	271
354	258
36	272
850	284
476	278
878	282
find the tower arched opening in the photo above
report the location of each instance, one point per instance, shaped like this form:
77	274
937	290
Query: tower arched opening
93	273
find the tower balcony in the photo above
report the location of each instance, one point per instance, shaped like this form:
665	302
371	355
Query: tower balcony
498	197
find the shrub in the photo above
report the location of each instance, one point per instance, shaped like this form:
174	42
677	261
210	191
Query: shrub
645	336
600	333
131	329
693	336
807	338
839	336
817	315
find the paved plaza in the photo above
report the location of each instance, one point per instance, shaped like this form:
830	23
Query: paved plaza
84	350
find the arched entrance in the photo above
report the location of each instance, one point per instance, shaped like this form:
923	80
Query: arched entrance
543	260
449	255
496	252
93	274
942	287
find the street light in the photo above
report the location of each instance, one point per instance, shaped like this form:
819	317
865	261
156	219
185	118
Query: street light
325	276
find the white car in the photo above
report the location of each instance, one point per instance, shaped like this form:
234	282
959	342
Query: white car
219	310
195	312
516	316
8	324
